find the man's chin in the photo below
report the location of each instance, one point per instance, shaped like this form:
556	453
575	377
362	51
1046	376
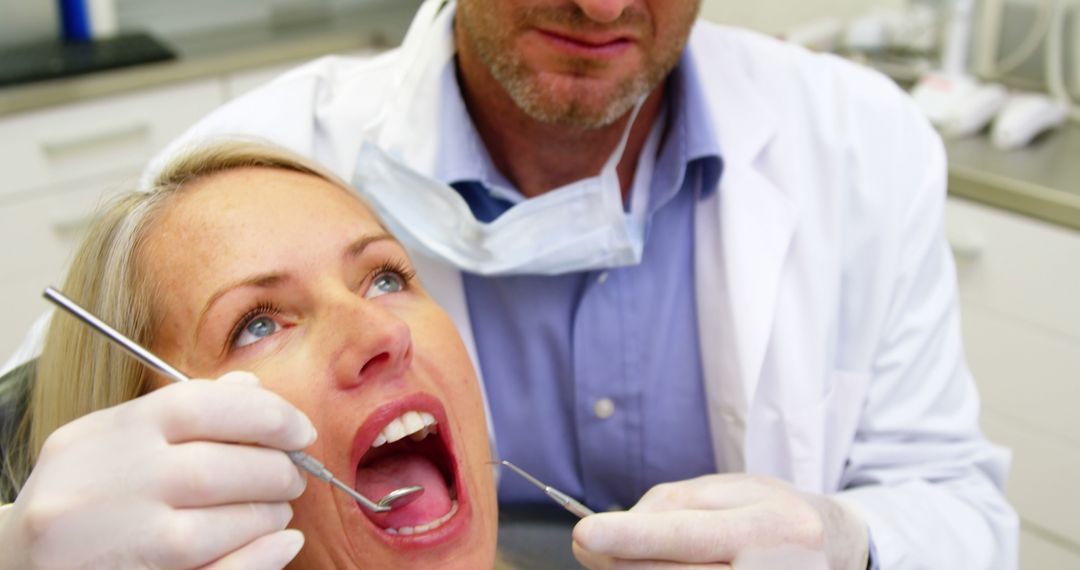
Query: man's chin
578	102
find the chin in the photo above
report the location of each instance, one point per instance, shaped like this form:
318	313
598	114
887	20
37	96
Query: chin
576	101
409	440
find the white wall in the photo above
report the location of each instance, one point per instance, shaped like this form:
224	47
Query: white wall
776	16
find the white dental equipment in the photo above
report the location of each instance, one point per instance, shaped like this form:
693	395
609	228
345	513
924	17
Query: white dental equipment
565	501
944	94
396	498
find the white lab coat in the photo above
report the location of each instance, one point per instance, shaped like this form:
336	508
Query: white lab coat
827	301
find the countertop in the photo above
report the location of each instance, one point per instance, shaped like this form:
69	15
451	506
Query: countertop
1041	181
377	25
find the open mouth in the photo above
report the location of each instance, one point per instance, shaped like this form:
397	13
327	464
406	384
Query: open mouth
409	448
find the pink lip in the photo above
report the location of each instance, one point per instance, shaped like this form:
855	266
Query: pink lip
603	45
367	433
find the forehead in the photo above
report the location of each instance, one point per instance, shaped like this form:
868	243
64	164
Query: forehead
258	203
250	220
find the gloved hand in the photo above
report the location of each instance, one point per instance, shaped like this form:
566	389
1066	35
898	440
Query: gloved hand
725	521
187	476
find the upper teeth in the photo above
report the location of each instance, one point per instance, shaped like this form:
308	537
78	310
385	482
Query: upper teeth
415	424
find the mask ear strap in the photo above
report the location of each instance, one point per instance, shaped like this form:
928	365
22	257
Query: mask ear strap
616	156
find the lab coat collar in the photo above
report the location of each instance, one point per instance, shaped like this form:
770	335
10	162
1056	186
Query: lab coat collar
750	221
405	125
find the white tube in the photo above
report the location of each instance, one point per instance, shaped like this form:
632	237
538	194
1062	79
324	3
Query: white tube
1075	52
989	36
1024	51
1055	58
954	59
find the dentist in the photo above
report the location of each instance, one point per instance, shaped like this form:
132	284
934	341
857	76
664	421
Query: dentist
710	264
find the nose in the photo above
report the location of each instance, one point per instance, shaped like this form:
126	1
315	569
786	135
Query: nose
603	11
374	343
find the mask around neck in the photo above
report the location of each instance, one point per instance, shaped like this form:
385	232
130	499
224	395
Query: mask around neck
578	227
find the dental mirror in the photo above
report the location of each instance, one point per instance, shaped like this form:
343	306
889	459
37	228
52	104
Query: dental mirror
393	499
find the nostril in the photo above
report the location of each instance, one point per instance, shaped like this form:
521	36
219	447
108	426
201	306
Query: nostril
376	363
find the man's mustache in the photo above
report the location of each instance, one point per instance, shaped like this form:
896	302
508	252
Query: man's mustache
572	18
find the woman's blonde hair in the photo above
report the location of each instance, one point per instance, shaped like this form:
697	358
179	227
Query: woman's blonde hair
79	371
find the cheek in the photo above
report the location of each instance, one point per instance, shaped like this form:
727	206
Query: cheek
295	377
436	340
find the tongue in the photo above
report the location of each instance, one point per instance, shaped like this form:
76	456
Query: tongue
403	470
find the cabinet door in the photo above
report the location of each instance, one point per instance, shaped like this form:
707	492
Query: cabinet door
39	236
64	146
1020	299
1017	266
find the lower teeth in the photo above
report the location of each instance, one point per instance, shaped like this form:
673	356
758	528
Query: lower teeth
407	530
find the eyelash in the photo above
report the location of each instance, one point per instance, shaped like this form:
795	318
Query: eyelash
398	266
265	308
260	310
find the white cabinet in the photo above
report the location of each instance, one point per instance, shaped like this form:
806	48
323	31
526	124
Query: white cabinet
1020	297
58	165
66	145
39	236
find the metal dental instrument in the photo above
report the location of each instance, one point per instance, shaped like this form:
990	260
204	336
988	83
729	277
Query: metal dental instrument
566	501
396	498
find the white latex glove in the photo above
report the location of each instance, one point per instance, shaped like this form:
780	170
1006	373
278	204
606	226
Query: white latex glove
725	521
161	482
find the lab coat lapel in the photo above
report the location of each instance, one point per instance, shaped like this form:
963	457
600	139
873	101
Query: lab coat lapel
742	236
406	126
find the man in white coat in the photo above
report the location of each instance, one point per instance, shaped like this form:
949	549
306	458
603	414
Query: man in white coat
708	264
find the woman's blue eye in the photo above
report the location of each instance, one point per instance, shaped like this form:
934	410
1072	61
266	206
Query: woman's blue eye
384	283
257	329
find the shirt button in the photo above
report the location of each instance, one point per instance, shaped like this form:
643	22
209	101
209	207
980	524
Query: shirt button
600	279
604	408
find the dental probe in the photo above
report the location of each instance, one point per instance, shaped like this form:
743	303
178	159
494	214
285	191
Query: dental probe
566	501
396	498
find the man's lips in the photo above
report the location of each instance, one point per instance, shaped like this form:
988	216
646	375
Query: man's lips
598	44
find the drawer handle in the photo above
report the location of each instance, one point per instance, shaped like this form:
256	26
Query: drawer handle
120	135
71	228
966	246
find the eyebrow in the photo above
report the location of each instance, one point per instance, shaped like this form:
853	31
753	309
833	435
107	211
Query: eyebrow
276	278
262	280
357	247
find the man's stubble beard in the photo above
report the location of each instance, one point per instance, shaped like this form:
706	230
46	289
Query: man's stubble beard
550	105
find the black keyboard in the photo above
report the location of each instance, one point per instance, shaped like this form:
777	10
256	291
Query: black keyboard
54	60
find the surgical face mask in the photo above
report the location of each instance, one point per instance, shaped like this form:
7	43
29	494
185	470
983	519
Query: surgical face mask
578	227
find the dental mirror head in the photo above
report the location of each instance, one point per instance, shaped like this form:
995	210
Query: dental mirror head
401	497
393	499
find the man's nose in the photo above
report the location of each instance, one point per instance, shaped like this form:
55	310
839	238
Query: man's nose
375	344
603	11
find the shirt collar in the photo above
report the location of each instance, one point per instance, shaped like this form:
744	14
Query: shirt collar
462	154
691	140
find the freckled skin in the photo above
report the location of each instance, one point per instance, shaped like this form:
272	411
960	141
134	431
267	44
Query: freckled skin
253	221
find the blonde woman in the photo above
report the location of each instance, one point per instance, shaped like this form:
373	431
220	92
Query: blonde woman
244	257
